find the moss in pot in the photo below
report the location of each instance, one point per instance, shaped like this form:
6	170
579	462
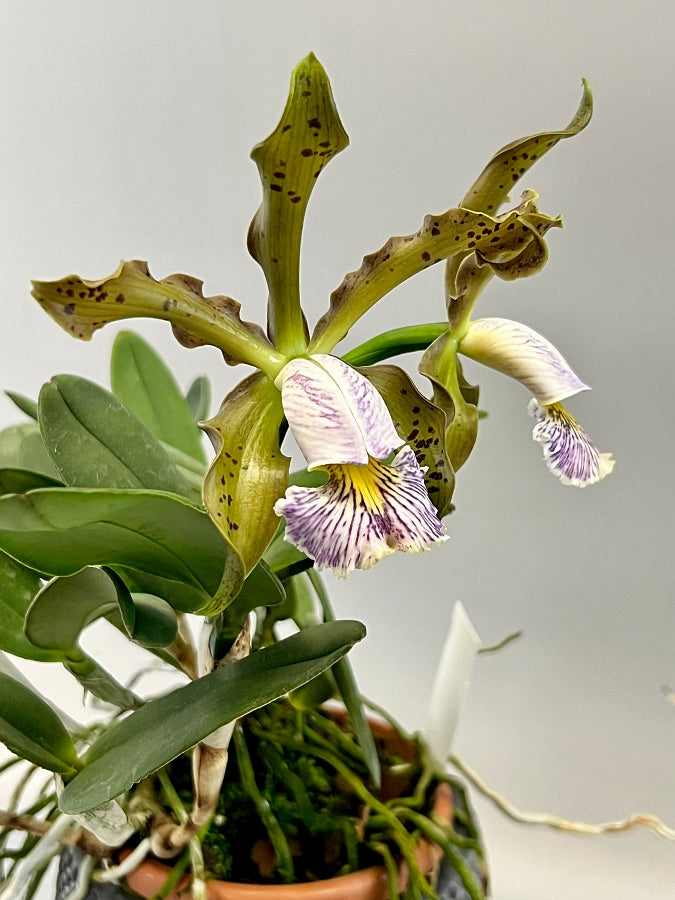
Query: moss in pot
112	510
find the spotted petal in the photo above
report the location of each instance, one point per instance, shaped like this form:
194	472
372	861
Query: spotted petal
335	414
522	353
568	451
361	514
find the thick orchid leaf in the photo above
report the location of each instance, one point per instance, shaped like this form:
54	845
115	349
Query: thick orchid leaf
148	620
168	726
455	231
81	307
289	161
22	447
59	531
65	606
18	481
94	440
30	728
25	404
198	398
422	425
145	386
247	477
454	396
18	587
508	166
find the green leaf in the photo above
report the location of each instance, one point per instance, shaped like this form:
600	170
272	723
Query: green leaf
18	587
422	425
62	610
145	386
154	621
284	559
81	307
95	441
65	606
25	404
455	231
289	161
22	447
246	478
164	728
59	531
30	729
198	398
18	481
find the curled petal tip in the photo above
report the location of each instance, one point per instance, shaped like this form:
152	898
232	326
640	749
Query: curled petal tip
569	452
362	514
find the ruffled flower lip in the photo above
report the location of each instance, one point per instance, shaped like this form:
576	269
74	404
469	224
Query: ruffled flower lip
362	514
569	452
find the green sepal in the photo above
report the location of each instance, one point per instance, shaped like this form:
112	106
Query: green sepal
289	161
95	441
163	728
422	425
146	386
18	587
30	728
246	478
508	166
455	231
453	395
81	307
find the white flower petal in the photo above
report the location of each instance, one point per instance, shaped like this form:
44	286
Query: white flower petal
335	414
523	354
361	514
366	404
451	685
568	451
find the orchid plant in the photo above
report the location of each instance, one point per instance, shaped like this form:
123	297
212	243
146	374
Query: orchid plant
109	508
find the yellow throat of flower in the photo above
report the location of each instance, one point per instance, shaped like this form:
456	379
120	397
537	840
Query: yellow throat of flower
367	482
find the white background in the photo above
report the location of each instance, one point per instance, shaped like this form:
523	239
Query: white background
126	128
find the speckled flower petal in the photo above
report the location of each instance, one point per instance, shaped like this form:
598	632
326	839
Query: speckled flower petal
568	451
361	514
518	351
335	414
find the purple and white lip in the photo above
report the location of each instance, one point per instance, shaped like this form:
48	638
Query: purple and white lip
524	354
367	508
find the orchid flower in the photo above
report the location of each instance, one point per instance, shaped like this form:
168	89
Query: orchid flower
523	354
345	424
368	507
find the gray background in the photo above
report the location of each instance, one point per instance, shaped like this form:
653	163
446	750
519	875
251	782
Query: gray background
126	130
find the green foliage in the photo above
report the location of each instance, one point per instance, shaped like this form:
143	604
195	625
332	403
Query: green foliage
95	441
168	726
31	729
147	388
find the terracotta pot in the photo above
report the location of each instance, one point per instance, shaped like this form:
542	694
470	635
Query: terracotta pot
366	884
